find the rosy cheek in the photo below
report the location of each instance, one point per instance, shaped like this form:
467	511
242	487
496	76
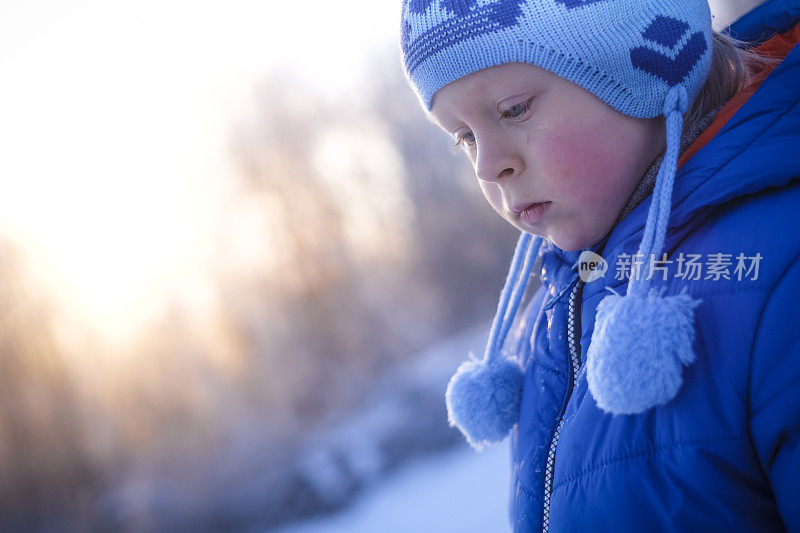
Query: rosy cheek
581	163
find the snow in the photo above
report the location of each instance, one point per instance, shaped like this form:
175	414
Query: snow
458	491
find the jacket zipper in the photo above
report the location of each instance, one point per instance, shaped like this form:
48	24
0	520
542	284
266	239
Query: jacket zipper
575	360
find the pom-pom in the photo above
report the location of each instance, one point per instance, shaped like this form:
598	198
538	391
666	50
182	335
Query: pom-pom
483	399
638	348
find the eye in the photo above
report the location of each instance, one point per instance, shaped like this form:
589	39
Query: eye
517	111
464	140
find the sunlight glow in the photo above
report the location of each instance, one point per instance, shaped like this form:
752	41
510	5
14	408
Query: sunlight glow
114	119
115	116
364	174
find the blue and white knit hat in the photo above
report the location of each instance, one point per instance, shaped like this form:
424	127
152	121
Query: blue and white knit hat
644	58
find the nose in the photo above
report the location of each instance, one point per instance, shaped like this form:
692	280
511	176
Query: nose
496	160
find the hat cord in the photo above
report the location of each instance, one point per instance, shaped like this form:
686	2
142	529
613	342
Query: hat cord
514	289
675	106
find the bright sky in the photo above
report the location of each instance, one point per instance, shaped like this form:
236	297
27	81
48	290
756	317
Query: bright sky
114	119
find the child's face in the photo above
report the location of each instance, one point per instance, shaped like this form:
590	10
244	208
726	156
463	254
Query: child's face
533	137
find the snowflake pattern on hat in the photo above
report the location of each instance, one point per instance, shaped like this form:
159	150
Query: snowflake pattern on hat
667	32
626	52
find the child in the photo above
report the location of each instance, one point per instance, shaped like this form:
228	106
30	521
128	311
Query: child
654	170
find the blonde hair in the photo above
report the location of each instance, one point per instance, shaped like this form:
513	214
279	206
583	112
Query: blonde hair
733	67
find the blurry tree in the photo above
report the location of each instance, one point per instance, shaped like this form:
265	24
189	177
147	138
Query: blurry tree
46	472
381	242
352	239
463	245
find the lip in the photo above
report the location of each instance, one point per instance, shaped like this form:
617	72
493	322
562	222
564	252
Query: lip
519	208
532	213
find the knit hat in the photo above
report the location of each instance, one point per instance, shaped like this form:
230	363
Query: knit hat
644	58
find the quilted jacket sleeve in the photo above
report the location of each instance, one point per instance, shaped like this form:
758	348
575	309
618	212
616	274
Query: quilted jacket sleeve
775	394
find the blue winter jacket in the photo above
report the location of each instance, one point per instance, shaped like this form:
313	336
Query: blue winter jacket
724	454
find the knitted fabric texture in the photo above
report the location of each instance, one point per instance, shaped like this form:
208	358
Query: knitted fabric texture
626	52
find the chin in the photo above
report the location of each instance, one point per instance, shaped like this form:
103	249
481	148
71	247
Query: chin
572	243
568	247
579	236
